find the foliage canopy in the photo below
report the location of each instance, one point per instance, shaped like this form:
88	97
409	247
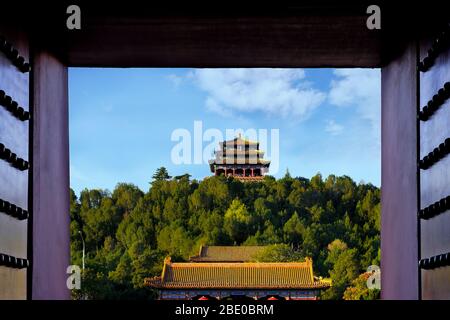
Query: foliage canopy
128	232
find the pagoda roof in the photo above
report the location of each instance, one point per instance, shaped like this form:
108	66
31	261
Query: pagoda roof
216	275
227	253
240	141
233	161
236	152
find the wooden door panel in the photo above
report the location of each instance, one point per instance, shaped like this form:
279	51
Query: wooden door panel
14	135
434	178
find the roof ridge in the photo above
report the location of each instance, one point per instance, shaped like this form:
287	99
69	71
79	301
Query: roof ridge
304	264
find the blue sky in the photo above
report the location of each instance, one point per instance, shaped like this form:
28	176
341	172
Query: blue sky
122	120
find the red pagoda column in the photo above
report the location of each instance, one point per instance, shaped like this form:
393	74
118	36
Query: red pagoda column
234	172
243	170
252	172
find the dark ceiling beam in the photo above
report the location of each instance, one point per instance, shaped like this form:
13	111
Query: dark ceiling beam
305	41
228	34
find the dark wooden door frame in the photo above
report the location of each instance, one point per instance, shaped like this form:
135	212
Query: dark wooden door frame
314	38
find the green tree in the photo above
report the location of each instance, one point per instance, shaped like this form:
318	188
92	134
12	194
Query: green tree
176	241
161	174
294	230
237	221
335	249
128	233
345	269
278	253
126	197
359	289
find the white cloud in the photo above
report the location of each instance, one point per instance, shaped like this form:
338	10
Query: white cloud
273	91
213	106
176	80
333	128
359	91
359	88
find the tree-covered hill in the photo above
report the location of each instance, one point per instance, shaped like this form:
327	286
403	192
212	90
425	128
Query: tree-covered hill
128	232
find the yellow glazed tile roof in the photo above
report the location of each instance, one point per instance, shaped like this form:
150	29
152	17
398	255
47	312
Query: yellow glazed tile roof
284	275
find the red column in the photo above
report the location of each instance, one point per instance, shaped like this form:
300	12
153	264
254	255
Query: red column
225	172
243	172
234	172
252	172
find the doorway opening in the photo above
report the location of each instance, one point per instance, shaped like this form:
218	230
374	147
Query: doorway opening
281	162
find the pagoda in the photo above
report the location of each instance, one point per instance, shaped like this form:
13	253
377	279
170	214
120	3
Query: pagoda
240	158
